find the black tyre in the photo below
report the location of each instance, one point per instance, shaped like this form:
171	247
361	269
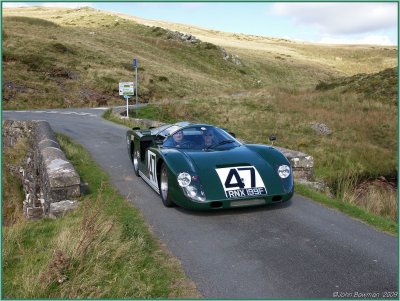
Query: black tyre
164	187
135	161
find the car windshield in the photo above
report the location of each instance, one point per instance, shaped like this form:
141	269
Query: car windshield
201	138
167	130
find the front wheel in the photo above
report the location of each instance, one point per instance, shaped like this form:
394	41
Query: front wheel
164	187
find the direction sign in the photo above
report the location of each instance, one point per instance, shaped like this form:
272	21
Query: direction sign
126	88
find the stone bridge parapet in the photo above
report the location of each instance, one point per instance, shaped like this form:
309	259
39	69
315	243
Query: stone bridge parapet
50	182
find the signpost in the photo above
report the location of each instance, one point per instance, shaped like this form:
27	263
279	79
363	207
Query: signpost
126	89
135	65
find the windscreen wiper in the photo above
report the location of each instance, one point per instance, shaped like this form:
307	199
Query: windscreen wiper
220	143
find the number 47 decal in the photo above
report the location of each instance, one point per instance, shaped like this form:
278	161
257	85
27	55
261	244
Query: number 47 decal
241	181
151	165
234	180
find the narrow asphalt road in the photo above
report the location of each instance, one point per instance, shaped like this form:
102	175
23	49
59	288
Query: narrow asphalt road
295	250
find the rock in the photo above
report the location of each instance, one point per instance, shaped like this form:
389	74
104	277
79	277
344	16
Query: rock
59	209
13	130
33	213
303	173
187	37
296	158
60	179
318	186
184	37
230	57
235	60
321	128
315	185
225	54
302	164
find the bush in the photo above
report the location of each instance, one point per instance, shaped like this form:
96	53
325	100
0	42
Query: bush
209	46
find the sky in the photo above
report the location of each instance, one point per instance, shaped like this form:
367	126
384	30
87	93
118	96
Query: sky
317	22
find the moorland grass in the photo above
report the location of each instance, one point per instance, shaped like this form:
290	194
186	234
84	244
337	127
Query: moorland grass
382	223
101	250
12	192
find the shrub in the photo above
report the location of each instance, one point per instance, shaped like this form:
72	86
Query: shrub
209	46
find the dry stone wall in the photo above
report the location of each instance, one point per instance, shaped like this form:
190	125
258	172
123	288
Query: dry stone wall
50	182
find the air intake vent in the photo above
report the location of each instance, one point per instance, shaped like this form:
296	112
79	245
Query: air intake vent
277	198
216	204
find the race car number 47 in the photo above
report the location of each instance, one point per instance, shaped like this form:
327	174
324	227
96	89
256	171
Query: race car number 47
243	181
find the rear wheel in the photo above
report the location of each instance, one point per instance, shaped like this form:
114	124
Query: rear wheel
164	187
135	161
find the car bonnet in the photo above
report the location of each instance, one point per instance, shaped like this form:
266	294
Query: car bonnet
208	163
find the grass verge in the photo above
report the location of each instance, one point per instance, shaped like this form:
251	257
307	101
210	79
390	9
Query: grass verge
13	194
108	115
379	222
102	250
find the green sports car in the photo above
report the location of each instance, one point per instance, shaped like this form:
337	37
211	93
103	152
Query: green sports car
200	166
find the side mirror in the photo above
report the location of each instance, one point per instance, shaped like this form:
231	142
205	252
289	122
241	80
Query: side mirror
272	138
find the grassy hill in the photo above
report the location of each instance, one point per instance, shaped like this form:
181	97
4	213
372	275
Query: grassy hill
252	85
76	57
346	59
381	86
69	58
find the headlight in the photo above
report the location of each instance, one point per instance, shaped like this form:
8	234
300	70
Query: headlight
191	191
283	171
191	186
184	179
196	194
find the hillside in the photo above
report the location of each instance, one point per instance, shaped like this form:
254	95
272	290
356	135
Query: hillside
381	86
76	57
346	59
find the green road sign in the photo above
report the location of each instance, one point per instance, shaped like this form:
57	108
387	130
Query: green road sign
126	88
